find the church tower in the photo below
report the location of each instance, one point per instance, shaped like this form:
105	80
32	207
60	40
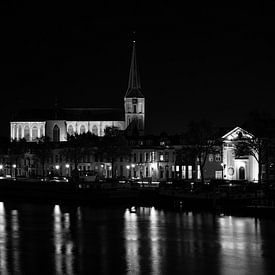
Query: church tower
134	101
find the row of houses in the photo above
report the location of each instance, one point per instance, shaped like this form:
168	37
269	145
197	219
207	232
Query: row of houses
151	158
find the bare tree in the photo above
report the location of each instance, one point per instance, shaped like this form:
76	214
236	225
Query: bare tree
200	137
114	145
246	146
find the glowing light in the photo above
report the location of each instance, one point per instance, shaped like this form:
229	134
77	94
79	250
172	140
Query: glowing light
57	167
14	165
154	165
128	167
67	165
133	165
1	166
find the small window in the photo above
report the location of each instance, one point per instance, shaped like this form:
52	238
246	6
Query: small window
82	129
210	157
56	134
218	157
70	130
166	156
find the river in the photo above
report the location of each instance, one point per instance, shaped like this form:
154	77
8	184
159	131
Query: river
71	239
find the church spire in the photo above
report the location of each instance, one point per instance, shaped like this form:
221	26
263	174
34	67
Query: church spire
134	87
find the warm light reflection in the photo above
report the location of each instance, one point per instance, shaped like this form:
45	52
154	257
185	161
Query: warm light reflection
131	242
238	240
15	239
64	258
154	241
3	251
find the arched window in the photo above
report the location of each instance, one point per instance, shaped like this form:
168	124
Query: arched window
19	132
70	130
41	131
56	133
82	129
27	132
241	173
34	132
95	130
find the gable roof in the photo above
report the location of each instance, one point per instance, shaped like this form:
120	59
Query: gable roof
234	134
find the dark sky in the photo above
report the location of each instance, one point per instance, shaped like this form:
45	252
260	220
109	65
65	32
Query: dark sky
213	62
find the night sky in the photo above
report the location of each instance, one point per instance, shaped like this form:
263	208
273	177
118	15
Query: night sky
213	62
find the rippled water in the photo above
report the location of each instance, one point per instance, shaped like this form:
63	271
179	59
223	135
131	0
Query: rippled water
56	239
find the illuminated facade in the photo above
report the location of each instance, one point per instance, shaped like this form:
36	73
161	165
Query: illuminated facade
58	123
238	168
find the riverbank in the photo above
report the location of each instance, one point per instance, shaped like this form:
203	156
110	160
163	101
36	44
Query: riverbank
230	200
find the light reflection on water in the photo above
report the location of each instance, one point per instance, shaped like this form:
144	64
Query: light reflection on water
54	239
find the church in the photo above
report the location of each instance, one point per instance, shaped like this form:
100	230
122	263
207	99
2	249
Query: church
58	123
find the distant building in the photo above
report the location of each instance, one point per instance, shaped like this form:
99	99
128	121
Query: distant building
57	123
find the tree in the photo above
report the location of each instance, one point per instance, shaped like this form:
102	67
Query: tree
77	146
261	124
254	147
42	151
200	136
114	145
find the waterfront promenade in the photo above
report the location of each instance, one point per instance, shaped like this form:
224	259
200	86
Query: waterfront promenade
225	197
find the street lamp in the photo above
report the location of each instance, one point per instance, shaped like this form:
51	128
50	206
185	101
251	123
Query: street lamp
14	167
57	167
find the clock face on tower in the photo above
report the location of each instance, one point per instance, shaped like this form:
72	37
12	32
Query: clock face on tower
134	100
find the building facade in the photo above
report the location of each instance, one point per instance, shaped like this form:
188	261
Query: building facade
238	167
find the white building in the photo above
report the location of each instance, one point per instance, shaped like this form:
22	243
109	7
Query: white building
57	123
238	168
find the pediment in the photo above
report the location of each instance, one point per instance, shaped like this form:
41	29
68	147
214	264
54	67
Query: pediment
235	134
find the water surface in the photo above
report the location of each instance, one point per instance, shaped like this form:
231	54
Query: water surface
60	239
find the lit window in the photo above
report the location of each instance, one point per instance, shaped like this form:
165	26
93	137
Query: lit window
189	171
34	132
177	168
218	157
199	172
82	129
218	174
183	171
70	130
210	157
161	157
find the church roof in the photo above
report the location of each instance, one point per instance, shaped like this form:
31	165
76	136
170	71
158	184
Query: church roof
134	87
234	134
70	114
